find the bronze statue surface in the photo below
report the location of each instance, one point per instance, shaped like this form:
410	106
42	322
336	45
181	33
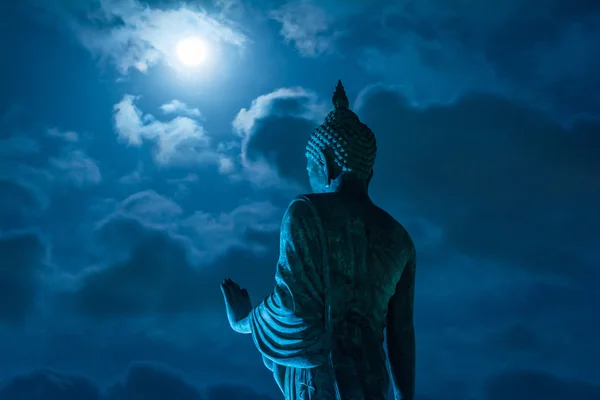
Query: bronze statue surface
345	274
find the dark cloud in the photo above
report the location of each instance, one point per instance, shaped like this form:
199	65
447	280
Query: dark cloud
516	338
147	381
538	385
436	50
38	166
19	202
227	392
503	180
22	260
202	346
282	142
156	278
142	380
50	385
22	198
156	275
276	129
542	300
534	324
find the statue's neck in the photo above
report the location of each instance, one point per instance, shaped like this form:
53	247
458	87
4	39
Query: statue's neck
353	188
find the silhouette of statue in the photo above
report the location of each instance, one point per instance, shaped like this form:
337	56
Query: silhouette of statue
345	274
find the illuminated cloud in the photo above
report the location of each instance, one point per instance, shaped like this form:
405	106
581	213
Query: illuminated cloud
177	107
179	141
274	132
307	26
134	35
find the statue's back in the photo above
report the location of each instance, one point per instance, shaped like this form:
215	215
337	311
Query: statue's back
366	252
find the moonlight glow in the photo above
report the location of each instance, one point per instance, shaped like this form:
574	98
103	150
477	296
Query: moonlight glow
191	51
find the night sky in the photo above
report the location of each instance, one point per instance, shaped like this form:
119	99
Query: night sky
131	185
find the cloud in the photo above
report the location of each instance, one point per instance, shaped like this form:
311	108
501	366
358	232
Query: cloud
305	25
226	165
184	184
409	45
22	260
539	317
20	202
177	107
21	184
134	177
228	392
154	278
164	263
524	385
34	166
517	338
50	385
142	380
317	28
431	71
438	50
502	180
152	208
499	321
67	136
77	167
134	35
158	280
179	141
274	132
207	235
146	381
217	234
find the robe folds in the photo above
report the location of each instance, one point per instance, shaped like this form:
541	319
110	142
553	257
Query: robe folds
289	326
321	330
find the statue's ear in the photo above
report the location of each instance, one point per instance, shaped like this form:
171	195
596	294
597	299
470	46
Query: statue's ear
330	167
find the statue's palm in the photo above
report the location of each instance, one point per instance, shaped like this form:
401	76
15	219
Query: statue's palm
237	302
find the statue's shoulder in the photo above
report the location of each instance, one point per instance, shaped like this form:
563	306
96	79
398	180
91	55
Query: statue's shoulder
314	202
314	199
302	207
392	228
308	206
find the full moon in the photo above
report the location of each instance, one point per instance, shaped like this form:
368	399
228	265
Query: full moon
191	51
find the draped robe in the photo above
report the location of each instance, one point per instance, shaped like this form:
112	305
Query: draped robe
321	330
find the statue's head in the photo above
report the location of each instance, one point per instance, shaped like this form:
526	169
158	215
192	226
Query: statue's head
341	149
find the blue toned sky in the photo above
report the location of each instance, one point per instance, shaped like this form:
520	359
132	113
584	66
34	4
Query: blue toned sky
131	185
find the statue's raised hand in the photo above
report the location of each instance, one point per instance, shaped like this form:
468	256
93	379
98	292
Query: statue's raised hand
238	305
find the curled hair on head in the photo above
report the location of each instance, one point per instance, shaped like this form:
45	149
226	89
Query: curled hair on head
349	143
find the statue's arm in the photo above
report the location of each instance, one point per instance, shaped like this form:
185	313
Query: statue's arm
401	335
287	326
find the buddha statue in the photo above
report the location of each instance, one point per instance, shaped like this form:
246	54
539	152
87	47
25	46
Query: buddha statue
345	275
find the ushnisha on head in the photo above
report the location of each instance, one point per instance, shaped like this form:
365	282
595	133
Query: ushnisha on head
340	147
